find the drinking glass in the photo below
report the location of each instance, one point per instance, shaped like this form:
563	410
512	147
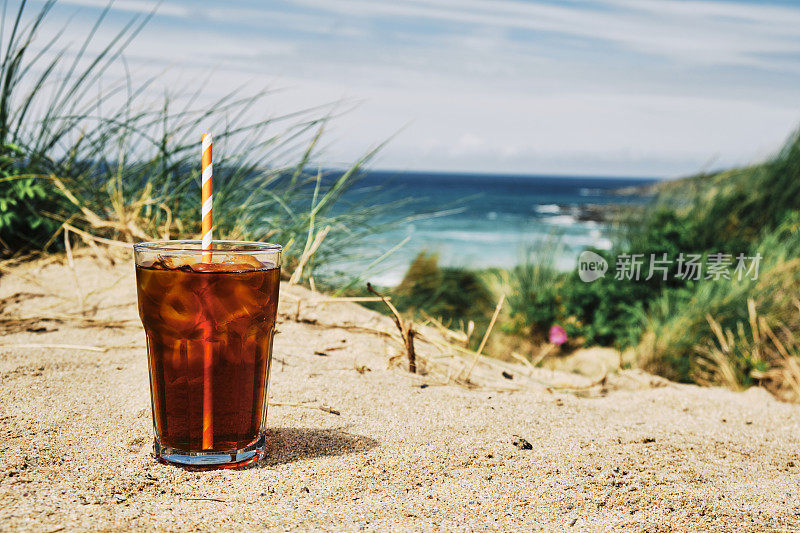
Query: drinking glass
209	318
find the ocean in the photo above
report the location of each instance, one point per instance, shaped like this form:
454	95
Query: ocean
486	220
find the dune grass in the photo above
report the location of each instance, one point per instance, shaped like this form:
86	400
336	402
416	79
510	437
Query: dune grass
729	332
102	159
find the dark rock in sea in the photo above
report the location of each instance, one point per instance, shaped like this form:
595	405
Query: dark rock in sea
600	213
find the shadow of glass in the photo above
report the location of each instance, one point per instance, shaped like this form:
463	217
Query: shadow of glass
285	445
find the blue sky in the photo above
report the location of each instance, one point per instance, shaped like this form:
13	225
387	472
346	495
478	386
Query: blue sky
609	87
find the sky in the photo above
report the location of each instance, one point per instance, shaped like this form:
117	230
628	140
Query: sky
658	88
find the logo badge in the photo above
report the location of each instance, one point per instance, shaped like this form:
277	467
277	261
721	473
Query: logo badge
591	266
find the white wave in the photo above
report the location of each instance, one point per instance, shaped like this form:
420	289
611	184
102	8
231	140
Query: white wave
603	244
476	236
562	220
577	242
389	278
551	209
572	220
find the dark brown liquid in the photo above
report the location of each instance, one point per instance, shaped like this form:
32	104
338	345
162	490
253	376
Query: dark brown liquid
209	329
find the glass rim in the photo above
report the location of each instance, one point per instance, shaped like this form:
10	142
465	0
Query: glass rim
194	246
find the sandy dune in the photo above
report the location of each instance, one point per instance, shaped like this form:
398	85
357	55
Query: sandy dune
634	453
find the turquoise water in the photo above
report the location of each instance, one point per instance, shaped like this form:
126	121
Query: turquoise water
489	220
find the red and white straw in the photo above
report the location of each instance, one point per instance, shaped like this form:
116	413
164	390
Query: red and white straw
207	198
208	359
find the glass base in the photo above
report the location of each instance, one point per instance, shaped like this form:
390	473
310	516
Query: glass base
217	460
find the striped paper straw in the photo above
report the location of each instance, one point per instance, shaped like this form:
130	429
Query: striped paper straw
208	356
207	198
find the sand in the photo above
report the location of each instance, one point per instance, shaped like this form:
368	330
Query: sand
406	452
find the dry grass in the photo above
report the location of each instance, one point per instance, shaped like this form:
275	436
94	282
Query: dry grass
486	336
756	353
127	171
404	327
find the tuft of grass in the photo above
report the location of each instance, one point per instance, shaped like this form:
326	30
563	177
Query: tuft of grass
677	322
754	353
117	166
533	290
446	293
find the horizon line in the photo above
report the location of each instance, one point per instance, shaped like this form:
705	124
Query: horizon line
519	174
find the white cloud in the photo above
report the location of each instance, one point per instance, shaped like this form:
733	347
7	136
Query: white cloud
724	33
700	32
477	94
135	6
580	132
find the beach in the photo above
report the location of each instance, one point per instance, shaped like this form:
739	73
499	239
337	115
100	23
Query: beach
540	266
356	442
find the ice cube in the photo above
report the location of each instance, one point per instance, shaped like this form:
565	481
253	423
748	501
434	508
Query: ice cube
241	260
246	296
224	312
229	263
180	309
158	264
216	267
172	262
249	260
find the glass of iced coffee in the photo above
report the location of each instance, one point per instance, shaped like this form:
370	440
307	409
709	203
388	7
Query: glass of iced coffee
209	317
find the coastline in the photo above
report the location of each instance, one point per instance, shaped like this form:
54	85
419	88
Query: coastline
490	221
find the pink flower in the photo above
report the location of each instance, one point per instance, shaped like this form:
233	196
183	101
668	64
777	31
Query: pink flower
557	335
